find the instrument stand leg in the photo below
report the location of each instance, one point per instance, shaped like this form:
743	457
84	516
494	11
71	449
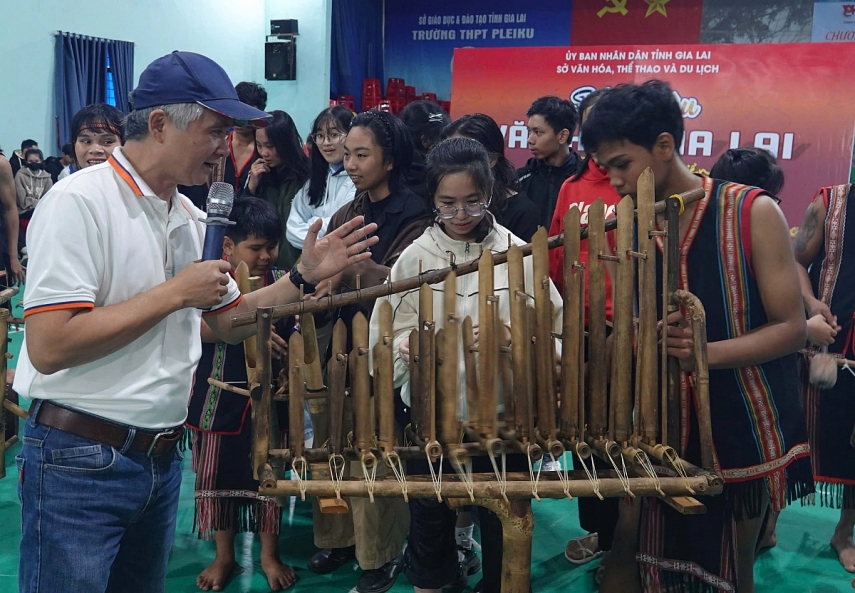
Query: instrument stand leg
517	522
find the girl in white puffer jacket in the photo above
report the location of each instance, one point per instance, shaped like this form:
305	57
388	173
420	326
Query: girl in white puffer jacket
459	183
460	190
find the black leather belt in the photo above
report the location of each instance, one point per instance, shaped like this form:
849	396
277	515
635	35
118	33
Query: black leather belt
152	443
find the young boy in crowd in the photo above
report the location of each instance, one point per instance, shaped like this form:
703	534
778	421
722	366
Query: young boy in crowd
227	499
551	122
736	257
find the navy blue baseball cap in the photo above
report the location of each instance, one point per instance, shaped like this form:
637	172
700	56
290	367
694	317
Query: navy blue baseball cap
186	77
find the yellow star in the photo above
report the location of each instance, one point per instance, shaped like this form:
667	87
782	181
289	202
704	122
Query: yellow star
656	6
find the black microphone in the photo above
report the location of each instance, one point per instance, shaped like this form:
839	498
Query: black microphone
221	198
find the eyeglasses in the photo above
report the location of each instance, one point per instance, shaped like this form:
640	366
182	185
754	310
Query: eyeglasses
447	211
333	137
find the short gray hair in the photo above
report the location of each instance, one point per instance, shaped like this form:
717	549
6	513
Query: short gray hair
135	124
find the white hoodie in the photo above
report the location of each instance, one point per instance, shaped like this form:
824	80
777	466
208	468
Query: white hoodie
339	191
432	250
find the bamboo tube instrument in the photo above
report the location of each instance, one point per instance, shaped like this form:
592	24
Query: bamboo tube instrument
647	331
384	392
573	326
361	386
488	348
597	371
626	426
449	352
519	344
621	390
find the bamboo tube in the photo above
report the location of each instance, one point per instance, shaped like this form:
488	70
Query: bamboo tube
470	361
624	285
296	389
449	427
417	412
597	369
506	365
245	285
531	393
697	317
647	331
312	361
427	366
519	343
670	403
384	391
547	487
583	291
432	277
261	395
361	383
546	401
488	347
573	326
336	374
15	409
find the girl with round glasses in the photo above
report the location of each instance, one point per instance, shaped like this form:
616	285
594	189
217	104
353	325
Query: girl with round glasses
329	186
459	182
508	204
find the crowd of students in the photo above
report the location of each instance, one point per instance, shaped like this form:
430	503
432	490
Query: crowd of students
440	189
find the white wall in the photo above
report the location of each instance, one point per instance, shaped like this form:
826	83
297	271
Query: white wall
232	32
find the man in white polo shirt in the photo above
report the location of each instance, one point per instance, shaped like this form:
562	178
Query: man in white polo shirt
114	304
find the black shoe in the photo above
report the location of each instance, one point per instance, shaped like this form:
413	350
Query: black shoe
381	579
468	564
328	560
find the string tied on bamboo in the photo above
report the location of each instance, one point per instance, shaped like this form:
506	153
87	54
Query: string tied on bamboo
595	480
337	465
463	467
501	477
679	198
644	461
563	474
370	476
435	477
622	474
677	464
393	460
535	478
301	474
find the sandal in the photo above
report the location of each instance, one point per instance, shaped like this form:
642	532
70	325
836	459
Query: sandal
583	549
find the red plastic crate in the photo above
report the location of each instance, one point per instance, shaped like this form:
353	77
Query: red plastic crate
348	101
372	93
429	97
396	88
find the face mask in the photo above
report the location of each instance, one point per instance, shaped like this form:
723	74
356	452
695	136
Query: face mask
35	166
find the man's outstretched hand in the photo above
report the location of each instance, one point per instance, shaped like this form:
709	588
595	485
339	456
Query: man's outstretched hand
325	257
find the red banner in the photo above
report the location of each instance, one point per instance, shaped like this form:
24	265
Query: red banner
793	99
609	22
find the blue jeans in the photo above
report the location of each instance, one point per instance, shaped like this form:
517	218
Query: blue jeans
94	518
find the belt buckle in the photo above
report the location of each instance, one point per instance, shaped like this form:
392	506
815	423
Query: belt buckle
157	437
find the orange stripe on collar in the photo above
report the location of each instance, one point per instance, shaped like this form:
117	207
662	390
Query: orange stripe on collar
126	175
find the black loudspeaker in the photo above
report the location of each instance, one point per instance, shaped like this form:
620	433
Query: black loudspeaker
284	27
280	60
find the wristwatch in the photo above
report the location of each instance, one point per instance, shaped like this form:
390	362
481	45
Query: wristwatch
298	280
